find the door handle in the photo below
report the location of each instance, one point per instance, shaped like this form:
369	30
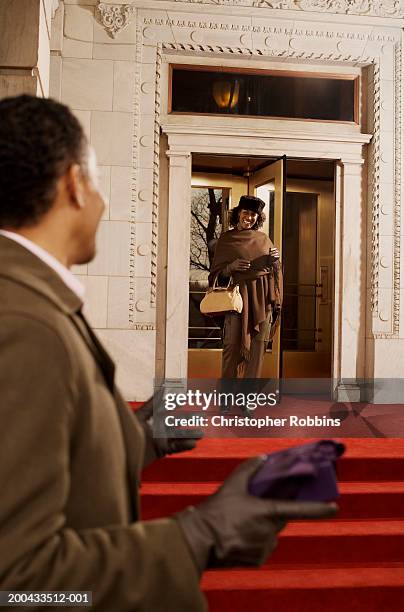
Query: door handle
324	285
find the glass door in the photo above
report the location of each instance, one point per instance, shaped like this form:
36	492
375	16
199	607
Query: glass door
308	261
268	183
300	216
212	196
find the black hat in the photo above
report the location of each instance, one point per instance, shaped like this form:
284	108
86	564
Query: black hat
249	202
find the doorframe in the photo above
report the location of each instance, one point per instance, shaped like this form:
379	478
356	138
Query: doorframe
347	150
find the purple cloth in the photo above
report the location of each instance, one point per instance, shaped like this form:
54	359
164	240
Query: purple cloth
305	473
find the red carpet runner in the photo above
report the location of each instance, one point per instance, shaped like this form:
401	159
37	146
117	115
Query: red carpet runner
354	563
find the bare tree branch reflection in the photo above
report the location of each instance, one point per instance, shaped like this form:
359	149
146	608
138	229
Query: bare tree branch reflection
205	225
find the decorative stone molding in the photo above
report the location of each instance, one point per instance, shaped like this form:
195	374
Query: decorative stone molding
144	195
151	25
135	194
379	8
398	96
115	17
375	146
398	78
143	326
156	166
281	53
141	306
143	249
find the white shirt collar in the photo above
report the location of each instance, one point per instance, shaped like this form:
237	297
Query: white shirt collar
67	277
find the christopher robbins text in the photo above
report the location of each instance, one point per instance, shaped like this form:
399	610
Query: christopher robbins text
250	421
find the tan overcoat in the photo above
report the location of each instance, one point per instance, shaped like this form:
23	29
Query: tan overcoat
70	458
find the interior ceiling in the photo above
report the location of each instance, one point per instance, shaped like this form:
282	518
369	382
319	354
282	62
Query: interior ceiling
238	165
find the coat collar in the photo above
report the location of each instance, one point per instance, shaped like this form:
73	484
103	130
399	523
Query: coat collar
20	265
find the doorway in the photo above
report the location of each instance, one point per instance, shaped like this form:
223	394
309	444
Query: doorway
300	220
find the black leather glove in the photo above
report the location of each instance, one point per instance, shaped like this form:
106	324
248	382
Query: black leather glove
159	447
233	528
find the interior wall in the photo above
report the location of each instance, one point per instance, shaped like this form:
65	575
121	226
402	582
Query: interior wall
237	184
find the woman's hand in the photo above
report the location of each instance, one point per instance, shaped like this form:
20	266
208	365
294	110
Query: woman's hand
274	253
238	265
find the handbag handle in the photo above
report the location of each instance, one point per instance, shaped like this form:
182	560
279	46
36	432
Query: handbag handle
215	281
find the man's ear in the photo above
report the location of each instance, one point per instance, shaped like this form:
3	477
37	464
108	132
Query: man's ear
74	185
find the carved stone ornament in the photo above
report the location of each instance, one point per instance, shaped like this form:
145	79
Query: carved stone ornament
115	17
380	8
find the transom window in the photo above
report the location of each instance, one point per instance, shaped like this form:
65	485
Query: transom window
263	93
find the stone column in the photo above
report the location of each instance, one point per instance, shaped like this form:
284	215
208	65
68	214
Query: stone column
352	287
178	225
24	46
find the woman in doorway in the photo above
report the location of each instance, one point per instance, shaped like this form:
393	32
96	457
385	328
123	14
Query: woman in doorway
249	257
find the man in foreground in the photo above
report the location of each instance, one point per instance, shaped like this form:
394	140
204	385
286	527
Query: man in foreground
72	451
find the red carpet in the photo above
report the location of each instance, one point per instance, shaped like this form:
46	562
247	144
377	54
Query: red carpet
354	563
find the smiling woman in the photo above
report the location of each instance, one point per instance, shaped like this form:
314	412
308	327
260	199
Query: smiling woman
249	258
246	220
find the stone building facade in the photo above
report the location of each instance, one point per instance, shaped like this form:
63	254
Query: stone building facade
109	61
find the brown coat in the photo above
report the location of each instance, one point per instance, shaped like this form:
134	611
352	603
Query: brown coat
70	459
261	285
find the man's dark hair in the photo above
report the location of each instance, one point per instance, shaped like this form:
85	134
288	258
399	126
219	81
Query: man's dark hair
235	213
39	140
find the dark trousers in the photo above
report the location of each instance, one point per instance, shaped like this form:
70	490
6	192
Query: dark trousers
232	344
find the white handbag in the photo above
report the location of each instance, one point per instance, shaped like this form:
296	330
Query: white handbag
219	300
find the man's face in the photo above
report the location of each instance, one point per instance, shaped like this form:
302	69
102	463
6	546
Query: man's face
247	219
91	212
